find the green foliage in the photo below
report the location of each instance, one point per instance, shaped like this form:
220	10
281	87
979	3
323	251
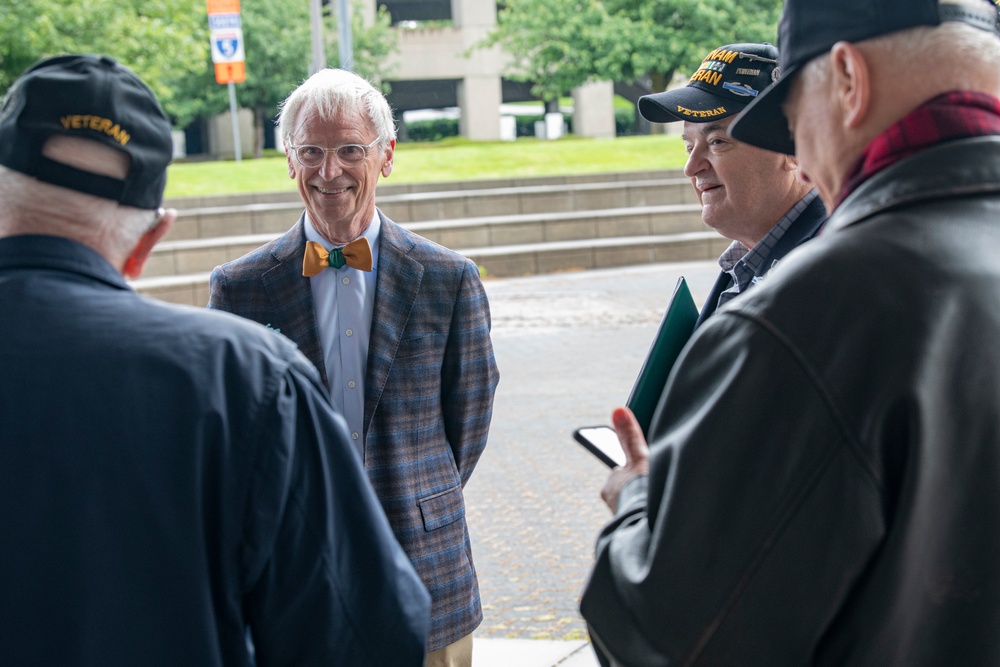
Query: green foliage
278	47
562	44
443	128
554	42
166	42
431	130
161	40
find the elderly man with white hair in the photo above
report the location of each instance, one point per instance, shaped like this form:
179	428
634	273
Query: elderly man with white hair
398	327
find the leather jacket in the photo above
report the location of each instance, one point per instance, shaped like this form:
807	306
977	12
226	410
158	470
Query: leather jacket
824	478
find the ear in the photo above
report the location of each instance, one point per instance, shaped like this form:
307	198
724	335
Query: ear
790	163
140	253
852	82
389	153
291	167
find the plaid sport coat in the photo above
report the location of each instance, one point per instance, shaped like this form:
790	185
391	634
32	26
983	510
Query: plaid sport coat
429	387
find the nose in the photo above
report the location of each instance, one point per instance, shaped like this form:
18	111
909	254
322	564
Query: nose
696	162
331	167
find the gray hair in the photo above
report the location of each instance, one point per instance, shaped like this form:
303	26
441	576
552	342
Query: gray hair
952	52
330	92
963	47
29	206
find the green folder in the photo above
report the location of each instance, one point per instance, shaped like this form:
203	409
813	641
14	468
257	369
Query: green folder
674	331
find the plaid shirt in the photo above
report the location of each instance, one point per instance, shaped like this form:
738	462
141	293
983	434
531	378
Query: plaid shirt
743	265
953	115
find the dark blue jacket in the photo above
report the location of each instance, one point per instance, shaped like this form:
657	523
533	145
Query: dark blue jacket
172	477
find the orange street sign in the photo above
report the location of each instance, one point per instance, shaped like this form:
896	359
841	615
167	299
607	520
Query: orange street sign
223	6
234	72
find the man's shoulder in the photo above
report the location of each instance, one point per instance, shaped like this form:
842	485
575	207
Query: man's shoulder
427	252
205	329
255	261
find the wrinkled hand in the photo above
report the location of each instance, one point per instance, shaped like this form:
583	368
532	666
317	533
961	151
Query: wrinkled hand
636	456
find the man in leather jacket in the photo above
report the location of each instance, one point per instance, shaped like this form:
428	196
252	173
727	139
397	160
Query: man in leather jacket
823	476
749	195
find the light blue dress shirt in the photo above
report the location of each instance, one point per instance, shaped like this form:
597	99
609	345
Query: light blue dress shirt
344	301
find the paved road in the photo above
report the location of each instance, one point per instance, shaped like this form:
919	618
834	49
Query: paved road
569	347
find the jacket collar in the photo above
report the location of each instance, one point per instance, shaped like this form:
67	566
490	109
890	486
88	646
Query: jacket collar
57	253
955	168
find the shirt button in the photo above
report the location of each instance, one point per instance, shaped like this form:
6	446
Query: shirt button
349	332
345	280
354	436
351	384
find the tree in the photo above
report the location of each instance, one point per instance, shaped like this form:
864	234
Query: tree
158	39
166	42
560	44
277	46
554	43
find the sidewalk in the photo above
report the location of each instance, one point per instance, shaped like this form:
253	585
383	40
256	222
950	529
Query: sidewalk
532	653
568	346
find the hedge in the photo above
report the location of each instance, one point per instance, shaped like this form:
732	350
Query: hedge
441	128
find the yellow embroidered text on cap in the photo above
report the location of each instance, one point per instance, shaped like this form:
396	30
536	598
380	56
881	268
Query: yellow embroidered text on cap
80	122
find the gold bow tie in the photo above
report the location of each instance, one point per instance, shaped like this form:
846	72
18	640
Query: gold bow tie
356	254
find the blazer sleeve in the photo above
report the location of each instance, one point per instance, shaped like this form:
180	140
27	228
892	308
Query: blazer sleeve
218	294
469	374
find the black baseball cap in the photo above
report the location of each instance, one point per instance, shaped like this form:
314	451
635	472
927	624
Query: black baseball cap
810	28
93	97
728	79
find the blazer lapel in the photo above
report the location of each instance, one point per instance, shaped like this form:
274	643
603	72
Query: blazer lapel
396	289
291	295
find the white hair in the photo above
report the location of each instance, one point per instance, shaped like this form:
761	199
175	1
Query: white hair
954	55
29	206
330	92
953	48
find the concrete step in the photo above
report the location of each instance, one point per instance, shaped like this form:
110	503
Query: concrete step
510	260
390	187
176	257
237	217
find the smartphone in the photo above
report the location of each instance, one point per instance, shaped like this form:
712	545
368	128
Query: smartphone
602	441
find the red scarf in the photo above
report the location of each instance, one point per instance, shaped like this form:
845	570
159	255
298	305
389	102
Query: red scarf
954	115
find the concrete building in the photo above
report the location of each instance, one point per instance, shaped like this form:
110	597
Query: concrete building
432	70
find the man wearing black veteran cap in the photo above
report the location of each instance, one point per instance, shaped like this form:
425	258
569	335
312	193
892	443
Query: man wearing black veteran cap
822	482
749	195
170	478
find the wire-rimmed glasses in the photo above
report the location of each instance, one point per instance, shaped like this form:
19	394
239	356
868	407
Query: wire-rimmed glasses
349	155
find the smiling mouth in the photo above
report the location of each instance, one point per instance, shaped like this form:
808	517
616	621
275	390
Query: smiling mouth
332	192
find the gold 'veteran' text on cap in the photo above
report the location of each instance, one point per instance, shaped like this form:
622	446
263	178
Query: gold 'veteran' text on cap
98	124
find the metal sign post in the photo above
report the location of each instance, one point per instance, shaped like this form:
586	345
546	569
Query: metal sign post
226	40
345	43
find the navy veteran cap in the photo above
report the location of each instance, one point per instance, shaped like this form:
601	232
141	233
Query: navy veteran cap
92	97
810	28
729	78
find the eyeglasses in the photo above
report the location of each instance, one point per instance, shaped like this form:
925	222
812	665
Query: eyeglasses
349	155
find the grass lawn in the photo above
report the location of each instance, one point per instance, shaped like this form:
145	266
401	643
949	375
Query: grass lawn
449	160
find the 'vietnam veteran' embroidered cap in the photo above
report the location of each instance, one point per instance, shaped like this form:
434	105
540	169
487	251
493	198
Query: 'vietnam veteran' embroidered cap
729	78
93	97
810	28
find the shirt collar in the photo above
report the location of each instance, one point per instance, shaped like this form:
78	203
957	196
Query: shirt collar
744	264
372	234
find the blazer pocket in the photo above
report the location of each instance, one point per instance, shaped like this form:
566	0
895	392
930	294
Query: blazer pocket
442	508
429	344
